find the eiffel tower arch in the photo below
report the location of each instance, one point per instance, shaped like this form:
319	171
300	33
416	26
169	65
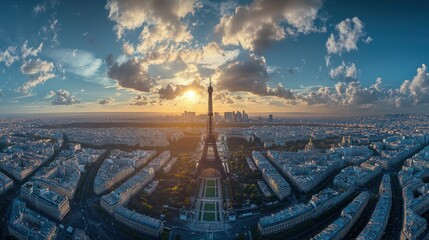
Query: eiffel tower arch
210	163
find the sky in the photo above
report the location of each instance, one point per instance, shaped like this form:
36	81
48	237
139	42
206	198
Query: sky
310	56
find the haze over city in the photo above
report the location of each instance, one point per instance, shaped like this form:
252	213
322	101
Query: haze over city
217	120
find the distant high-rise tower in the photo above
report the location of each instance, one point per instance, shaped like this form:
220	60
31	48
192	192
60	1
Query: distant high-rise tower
210	159
310	146
270	118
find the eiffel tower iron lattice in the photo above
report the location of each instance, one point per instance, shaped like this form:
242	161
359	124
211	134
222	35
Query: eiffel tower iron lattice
211	161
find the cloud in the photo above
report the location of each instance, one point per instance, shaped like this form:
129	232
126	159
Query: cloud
414	92
41	8
160	19
77	61
106	101
250	76
172	91
32	67
353	94
258	25
350	31
139	100
29	51
131	75
110	60
40	79
1	93
9	56
227	8
209	56
50	31
345	94
127	49
63	97
344	72
368	40
223	97
213	56
296	69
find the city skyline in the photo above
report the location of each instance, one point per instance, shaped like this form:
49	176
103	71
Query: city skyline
318	57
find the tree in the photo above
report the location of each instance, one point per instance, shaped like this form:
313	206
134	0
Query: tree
241	236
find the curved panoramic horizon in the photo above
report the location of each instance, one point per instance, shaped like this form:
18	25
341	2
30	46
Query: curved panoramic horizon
214	120
309	56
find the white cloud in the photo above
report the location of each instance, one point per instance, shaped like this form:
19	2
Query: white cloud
368	40
160	19
351	94
227	8
29	51
39	8
78	62
50	31
257	25
414	92
210	56
350	31
42	7
127	48
36	66
344	72
9	56
40	79
63	97
50	94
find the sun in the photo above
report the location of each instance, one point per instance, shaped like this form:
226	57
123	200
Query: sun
191	95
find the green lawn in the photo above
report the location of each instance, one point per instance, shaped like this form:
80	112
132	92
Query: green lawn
209	216
208	206
211	183
210	192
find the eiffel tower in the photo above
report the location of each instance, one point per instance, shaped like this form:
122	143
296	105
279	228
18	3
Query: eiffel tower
212	161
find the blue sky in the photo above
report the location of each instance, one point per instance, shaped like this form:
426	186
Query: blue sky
262	55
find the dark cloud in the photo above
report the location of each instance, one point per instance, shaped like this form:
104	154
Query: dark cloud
63	97
172	91
223	97
106	101
132	75
250	76
110	60
139	100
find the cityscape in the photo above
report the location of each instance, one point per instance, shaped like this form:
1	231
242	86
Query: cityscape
217	120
